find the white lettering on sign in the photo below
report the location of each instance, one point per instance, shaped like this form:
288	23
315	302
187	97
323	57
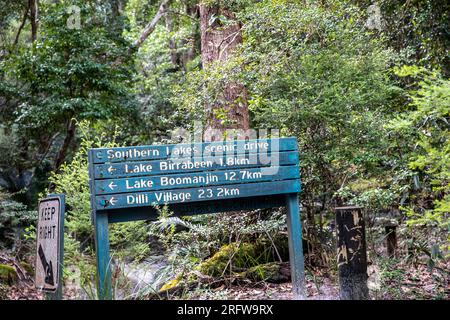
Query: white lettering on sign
167	165
220	148
171	181
174	196
138	168
47	250
180	151
137	199
132	153
256	145
141	183
248	146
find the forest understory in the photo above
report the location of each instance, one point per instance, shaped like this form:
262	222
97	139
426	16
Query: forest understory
360	87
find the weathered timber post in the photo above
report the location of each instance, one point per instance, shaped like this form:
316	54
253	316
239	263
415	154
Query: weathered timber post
391	240
351	253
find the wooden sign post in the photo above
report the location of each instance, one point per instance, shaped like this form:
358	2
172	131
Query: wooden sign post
50	246
126	183
351	253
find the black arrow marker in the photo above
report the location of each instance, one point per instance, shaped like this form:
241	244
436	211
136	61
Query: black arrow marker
48	267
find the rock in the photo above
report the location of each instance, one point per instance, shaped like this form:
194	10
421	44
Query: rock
242	256
8	274
148	275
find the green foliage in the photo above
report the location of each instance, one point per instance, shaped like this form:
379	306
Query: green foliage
424	128
213	244
7	274
72	180
265	272
162	62
69	71
418	29
129	240
370	133
14	218
66	72
315	72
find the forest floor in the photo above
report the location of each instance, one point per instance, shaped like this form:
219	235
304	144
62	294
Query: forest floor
395	281
272	291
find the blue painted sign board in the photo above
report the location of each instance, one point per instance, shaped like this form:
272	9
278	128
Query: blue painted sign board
127	183
120	154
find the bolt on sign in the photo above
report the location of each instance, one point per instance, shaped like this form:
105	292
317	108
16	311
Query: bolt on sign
49	242
127	183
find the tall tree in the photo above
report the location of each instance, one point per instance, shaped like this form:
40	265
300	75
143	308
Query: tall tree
220	35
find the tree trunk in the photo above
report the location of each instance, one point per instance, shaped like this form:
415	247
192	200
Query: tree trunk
71	126
33	4
22	24
218	42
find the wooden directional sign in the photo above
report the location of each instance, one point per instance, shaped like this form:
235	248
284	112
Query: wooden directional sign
207	177
177	165
49	238
121	154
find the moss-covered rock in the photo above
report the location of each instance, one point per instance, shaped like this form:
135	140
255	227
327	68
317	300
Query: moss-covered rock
7	274
239	256
171	284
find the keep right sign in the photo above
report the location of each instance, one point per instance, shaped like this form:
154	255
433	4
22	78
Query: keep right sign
49	238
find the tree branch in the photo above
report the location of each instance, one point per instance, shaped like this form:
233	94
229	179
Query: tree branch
151	25
163	9
24	19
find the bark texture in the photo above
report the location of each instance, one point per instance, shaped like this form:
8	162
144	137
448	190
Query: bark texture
151	25
218	42
351	253
33	5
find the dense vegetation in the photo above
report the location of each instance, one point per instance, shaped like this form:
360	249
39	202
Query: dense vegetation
363	86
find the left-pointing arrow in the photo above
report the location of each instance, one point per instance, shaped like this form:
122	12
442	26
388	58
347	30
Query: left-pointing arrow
111	169
112	185
112	201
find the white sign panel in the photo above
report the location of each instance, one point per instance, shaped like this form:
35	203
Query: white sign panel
48	244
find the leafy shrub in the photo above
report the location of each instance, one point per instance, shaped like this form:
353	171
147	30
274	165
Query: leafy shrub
212	244
14	219
423	128
126	240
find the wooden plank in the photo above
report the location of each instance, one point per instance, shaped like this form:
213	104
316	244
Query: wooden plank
139	199
198	179
169	166
152	152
